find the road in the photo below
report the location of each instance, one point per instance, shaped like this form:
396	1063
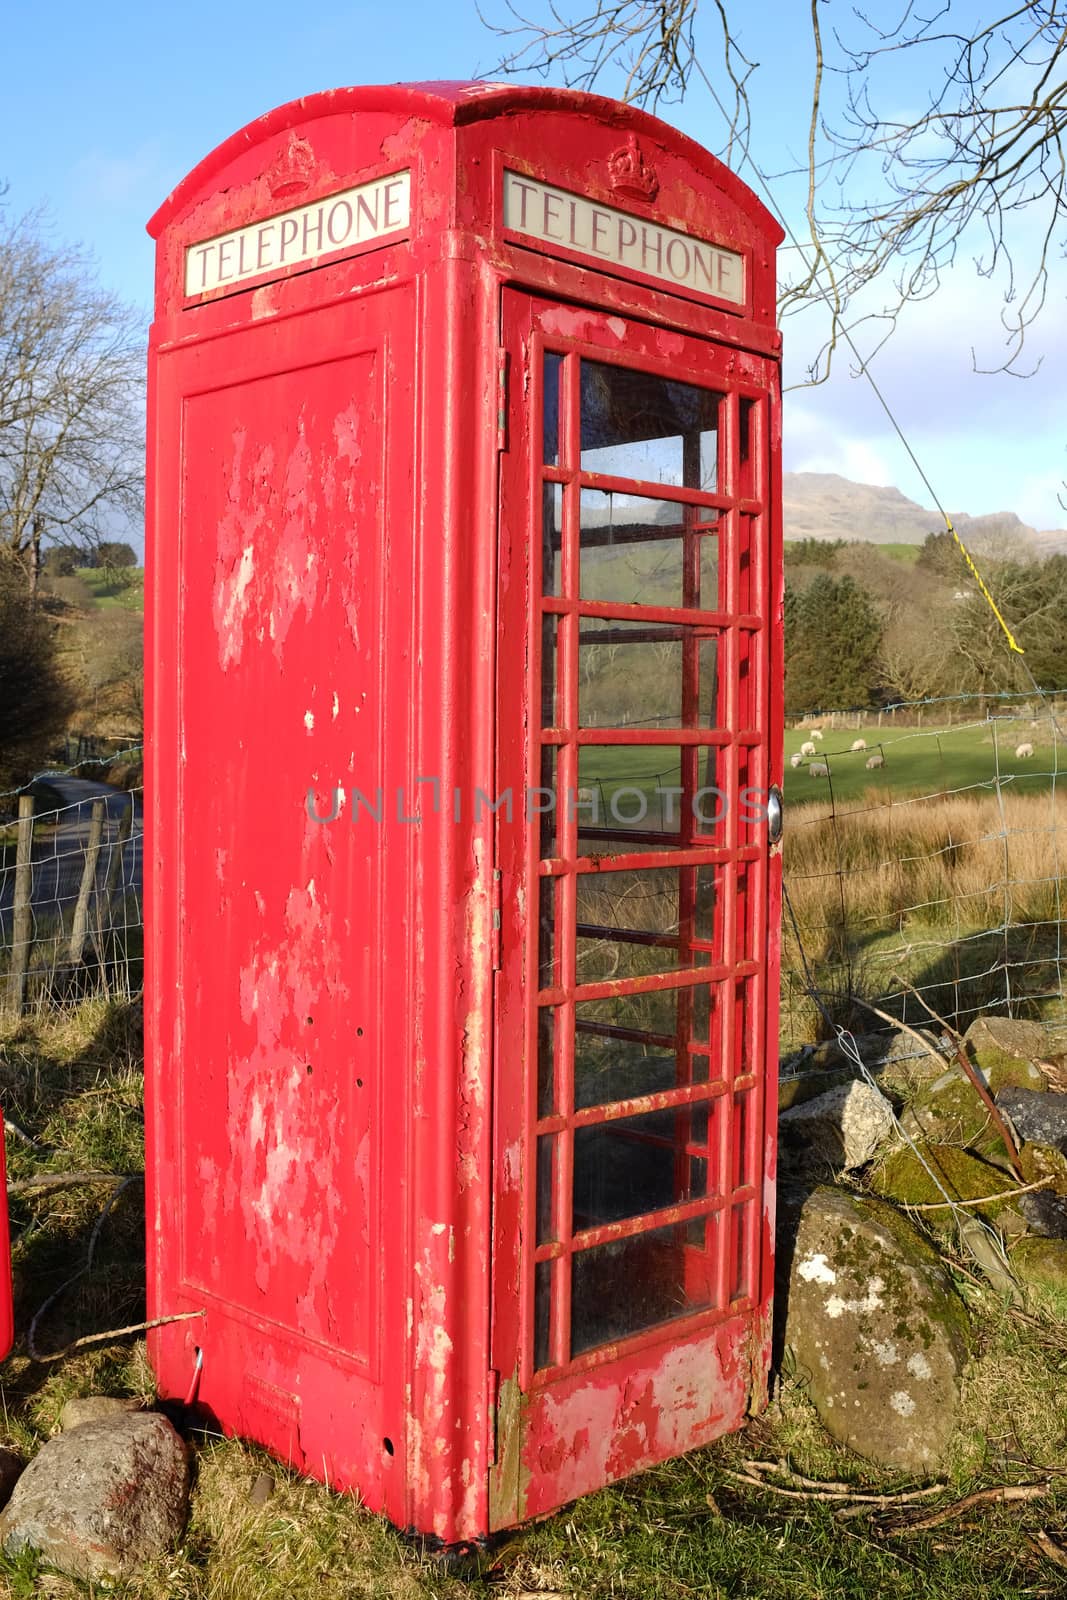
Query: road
59	855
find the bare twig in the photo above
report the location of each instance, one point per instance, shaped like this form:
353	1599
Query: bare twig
1003	1494
31	1343
69	1180
24	1138
111	1334
1047	1547
1005	1194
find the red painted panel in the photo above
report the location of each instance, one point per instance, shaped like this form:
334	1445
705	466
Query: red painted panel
282	1110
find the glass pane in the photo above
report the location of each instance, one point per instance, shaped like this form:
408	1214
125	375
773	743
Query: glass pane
637	425
546	1061
633	552
630	1284
630	923
544	803
741	1140
553	365
633	1044
634	675
547	889
551	537
551	715
741	1220
542	1312
546	1166
638	1164
655	797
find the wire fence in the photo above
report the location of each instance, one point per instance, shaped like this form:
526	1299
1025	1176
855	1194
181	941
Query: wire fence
924	856
71	920
927	871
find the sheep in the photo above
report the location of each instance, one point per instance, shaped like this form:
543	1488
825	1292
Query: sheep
807	748
795	760
816	733
818	769
859	744
1023	750
877	760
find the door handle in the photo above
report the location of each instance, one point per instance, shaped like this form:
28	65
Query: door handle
775	814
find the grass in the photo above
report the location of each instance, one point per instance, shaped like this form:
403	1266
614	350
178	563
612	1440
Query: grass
73	1081
924	760
110	587
908	891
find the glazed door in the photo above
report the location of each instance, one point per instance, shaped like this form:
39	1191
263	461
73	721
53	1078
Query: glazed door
639	627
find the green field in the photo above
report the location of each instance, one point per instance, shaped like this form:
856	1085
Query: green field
115	586
925	760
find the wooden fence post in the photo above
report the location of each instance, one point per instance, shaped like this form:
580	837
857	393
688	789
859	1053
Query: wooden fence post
80	928
106	895
22	911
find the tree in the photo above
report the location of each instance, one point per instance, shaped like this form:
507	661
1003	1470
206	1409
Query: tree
113	553
892	199
833	644
71	372
35	698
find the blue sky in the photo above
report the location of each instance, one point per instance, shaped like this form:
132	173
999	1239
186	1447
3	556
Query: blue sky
104	108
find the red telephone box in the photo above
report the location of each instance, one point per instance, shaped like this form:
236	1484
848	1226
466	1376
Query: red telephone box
465	664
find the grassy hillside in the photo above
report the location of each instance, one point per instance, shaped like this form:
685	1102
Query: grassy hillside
115	586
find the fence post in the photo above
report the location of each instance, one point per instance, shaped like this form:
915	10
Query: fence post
22	911
106	895
81	911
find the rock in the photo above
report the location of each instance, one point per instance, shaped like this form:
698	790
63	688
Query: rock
11	1468
875	1328
1041	1264
950	1111
908	1069
845	1127
262	1489
903	1177
1045	1210
803	1086
102	1497
92	1408
1005	1048
1038	1117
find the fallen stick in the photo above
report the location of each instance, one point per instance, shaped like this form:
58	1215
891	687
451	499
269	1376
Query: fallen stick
838	1493
68	1180
847	1490
1003	1494
1047	1547
111	1334
1005	1194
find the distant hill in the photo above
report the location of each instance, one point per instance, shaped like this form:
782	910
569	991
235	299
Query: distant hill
822	505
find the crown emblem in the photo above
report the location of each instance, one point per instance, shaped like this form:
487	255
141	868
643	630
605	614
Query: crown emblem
292	170
630	174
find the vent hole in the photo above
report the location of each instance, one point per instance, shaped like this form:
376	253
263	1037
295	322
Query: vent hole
387	1446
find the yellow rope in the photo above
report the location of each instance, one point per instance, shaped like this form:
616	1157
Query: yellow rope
990	602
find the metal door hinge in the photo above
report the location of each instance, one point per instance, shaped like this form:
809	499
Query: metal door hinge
502	399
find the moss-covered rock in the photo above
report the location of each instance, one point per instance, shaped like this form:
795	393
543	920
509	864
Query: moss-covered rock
903	1178
1005	1049
951	1111
1041	1264
874	1328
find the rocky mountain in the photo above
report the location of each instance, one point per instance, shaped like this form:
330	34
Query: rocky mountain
821	505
